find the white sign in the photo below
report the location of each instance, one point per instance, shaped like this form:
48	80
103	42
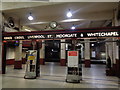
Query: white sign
73	58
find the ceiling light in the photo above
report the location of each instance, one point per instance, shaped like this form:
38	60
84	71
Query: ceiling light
81	35
69	14
38	23
28	30
73	27
30	17
92	45
71	20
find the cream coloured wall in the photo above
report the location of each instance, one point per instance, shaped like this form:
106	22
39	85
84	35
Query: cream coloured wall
10	54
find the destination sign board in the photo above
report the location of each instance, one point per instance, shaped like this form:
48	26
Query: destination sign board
63	35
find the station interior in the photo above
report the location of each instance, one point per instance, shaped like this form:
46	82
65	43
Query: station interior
25	26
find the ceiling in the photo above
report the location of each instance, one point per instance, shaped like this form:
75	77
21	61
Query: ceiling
85	14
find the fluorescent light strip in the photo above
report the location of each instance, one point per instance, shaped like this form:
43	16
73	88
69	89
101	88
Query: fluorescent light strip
38	23
28	30
71	20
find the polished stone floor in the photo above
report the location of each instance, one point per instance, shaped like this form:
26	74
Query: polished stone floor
53	75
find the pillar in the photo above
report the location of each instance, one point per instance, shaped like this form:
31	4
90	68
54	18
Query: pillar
18	56
74	42
63	54
42	53
113	50
24	59
118	59
4	47
38	61
87	53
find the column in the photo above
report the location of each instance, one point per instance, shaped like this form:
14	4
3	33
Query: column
109	54
116	62
63	54
87	53
38	58
118	59
74	42
114	44
18	56
109	51
24	59
115	54
42	53
4	47
112	50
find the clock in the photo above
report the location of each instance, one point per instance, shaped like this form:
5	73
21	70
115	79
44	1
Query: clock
53	24
11	22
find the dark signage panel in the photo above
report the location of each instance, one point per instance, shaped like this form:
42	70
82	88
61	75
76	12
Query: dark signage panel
64	35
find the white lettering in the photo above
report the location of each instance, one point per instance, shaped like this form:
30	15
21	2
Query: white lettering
66	35
36	37
19	37
7	38
103	34
50	36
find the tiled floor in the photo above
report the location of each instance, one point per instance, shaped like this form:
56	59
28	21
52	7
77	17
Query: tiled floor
53	76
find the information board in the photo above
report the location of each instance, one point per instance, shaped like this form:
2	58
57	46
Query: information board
73	58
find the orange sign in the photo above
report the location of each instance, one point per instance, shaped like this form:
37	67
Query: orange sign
72	53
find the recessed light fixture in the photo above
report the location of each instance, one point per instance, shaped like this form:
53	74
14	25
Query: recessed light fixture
92	44
69	14
30	17
81	35
73	27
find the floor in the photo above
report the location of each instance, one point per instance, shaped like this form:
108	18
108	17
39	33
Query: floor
53	76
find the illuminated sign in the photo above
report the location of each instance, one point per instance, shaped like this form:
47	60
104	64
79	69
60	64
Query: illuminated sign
103	34
64	35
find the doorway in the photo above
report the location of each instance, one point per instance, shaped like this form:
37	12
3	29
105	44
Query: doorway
52	50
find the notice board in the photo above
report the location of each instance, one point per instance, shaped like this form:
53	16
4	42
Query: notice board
73	58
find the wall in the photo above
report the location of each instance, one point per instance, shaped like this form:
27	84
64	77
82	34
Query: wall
10	55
